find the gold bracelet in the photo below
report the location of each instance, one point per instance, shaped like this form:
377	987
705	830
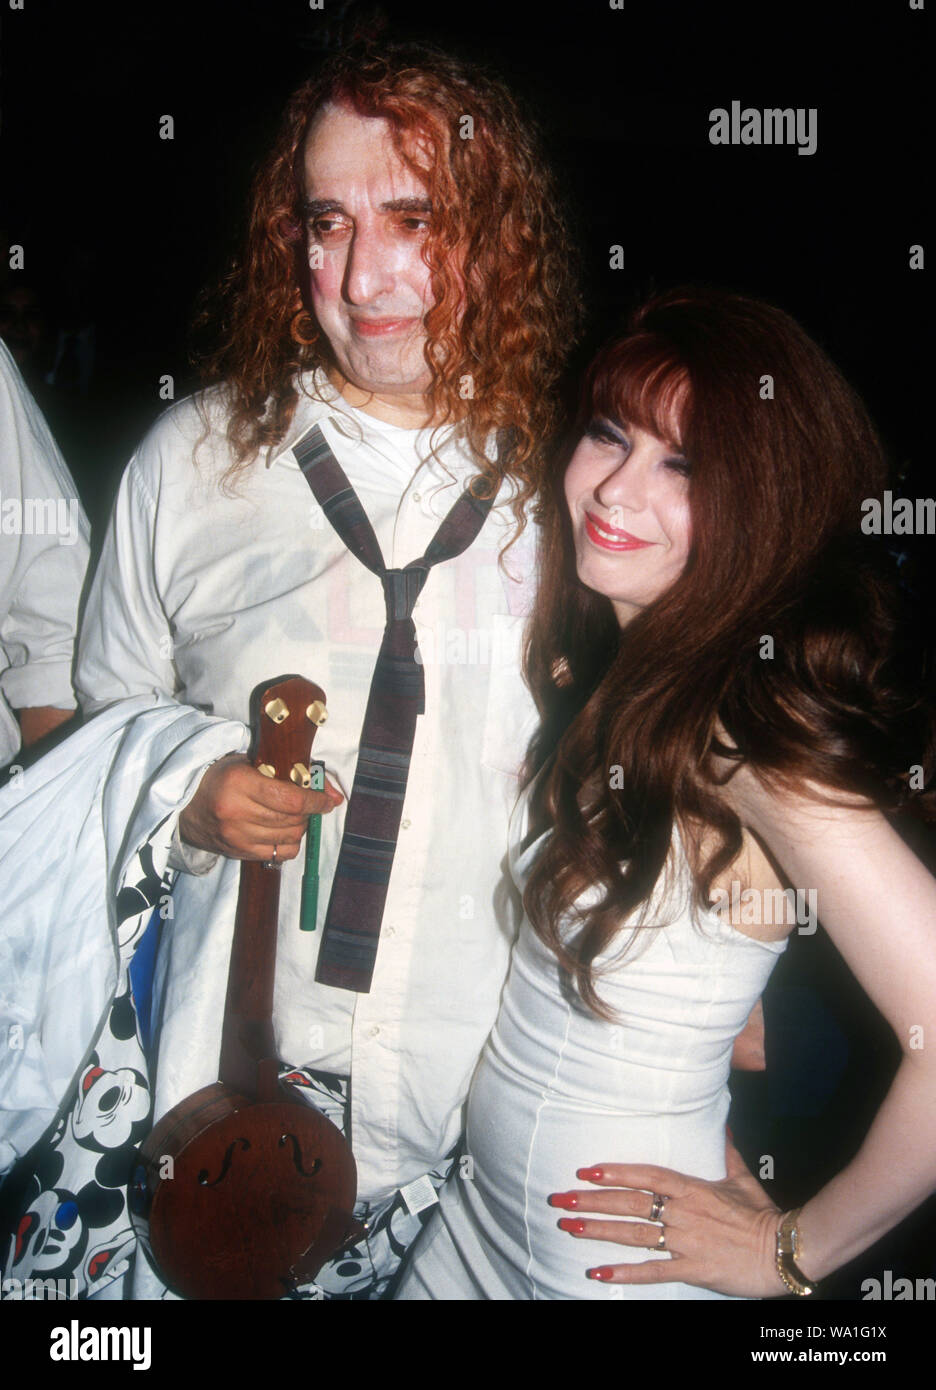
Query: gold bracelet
789	1249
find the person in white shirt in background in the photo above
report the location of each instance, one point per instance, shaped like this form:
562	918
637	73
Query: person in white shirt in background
407	287
44	548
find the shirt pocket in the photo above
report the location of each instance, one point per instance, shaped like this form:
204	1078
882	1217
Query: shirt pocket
510	715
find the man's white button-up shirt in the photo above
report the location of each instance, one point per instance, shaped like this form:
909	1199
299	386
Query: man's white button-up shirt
204	594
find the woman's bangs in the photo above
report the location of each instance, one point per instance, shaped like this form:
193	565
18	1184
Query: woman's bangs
640	383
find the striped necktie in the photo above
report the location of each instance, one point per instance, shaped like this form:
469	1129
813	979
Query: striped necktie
396	699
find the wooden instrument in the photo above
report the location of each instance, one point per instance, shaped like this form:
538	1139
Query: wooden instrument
243	1191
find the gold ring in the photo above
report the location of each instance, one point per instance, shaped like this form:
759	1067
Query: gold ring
661	1243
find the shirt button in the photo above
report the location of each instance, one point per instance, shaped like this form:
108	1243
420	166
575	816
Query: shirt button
417	496
406	823
373	1032
391	931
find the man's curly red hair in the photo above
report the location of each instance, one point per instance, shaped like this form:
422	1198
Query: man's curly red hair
495	211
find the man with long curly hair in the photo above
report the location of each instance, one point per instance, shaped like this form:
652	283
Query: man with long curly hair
406	297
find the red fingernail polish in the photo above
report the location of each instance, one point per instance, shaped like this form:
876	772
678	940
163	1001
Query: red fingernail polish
590	1174
567	1200
574	1225
604	1272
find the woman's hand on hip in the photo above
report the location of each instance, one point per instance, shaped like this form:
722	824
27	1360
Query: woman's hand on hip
718	1235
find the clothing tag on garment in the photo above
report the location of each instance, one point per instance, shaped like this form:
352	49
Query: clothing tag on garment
419	1195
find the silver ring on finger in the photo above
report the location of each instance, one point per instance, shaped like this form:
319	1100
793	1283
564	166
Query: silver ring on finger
273	862
656	1210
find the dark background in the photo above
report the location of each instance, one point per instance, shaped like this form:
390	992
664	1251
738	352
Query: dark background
122	228
112	216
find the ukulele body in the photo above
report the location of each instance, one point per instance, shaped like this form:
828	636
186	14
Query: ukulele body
241	1199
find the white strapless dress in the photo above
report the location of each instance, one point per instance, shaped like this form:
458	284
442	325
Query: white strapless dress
558	1089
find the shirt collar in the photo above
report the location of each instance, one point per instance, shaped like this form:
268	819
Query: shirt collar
319	400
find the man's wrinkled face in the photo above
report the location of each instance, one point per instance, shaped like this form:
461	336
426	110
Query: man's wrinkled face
367	220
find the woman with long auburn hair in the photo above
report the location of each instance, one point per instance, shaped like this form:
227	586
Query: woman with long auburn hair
724	732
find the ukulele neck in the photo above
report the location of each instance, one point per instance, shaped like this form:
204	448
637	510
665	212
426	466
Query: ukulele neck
284	719
247	1043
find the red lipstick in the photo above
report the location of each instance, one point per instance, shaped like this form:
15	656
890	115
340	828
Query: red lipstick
608	537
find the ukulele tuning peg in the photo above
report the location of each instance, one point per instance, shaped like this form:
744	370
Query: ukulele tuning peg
277	710
266	770
300	774
316	712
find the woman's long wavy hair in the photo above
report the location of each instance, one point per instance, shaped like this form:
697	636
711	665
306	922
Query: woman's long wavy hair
777	479
494	206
